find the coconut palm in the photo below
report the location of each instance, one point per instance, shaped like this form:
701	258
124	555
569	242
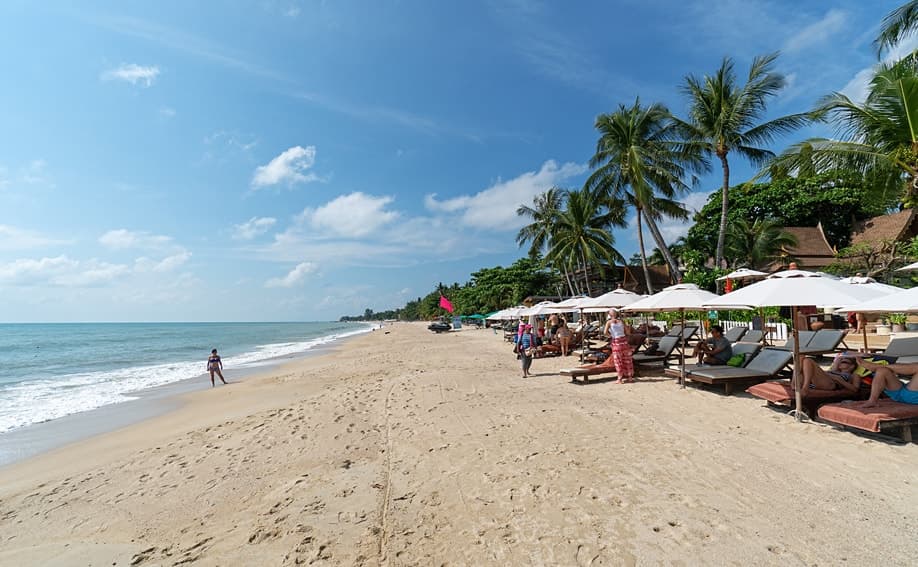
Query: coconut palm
582	233
640	161
878	138
543	215
753	243
724	117
899	23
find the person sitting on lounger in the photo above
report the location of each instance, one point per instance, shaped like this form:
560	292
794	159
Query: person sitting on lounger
844	374
886	381
715	350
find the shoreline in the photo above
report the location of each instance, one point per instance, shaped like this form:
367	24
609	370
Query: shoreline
413	448
32	440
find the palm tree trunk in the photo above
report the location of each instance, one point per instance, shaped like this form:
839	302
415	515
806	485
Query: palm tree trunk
724	206
643	254
570	284
664	249
586	274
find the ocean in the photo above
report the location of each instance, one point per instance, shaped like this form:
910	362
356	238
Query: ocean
51	370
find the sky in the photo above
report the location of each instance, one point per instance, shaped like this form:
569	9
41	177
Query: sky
281	160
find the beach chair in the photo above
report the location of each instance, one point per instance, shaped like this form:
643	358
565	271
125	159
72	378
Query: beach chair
824	341
584	373
763	366
753	336
664	352
735	334
748	350
805	337
888	417
905	349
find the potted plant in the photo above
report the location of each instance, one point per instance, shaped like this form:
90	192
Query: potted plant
898	322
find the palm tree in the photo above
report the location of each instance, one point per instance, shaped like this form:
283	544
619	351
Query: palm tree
879	137
582	236
640	161
753	243
724	117
898	24
543	215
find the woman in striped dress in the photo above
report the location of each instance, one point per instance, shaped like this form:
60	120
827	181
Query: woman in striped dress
618	332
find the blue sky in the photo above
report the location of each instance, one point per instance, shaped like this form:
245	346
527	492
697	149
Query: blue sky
296	160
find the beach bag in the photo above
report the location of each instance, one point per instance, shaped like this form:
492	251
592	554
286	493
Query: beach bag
736	360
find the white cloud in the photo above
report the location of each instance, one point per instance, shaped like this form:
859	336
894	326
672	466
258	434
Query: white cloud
122	239
495	207
817	32
296	276
167	112
132	73
859	86
253	227
35	172
59	271
290	167
12	238
353	216
167	264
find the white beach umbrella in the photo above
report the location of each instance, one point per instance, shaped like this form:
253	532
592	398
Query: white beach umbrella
879	289
679	297
793	288
913	266
743	274
541	308
570	304
615	298
903	301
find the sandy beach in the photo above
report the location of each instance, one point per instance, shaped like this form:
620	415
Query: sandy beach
404	447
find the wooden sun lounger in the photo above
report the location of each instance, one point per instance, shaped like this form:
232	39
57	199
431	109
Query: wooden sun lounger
585	372
823	342
888	417
750	349
781	393
765	365
735	334
666	347
753	336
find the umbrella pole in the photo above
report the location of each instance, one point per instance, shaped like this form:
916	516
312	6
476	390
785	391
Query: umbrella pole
798	393
864	330
682	350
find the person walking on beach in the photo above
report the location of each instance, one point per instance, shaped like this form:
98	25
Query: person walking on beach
525	348
215	364
618	332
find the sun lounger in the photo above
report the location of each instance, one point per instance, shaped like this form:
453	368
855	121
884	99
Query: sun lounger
585	372
887	417
735	334
765	365
823	342
748	350
905	349
788	345
781	393
664	351
753	336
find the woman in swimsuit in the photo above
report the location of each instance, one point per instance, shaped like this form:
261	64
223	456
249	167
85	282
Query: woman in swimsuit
214	364
842	375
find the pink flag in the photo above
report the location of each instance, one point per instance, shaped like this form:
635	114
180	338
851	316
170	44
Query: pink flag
445	304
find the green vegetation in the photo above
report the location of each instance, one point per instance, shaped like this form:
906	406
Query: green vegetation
646	158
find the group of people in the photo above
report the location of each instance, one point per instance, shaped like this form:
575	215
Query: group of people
846	372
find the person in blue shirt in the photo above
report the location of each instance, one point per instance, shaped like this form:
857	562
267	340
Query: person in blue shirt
525	346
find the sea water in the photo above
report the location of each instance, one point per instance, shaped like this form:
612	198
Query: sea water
51	370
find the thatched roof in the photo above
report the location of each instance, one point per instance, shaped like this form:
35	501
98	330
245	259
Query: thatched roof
812	251
885	228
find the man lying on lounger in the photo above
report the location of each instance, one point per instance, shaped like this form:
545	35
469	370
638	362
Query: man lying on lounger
716	350
886	381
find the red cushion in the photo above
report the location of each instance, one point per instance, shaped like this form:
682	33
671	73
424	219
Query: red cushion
854	414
